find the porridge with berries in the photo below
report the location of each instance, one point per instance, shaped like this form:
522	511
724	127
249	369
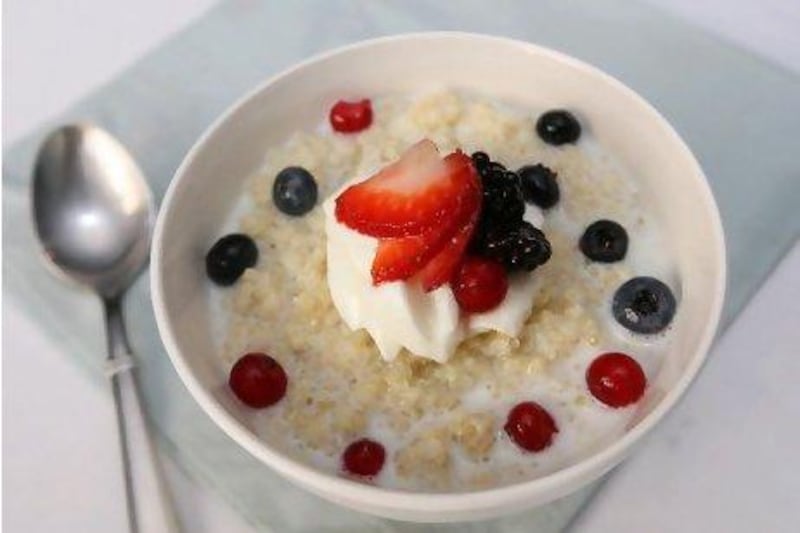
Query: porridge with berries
442	292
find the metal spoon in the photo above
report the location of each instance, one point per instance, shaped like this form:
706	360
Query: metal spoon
93	213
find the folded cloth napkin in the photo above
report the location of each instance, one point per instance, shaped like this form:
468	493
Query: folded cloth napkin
740	115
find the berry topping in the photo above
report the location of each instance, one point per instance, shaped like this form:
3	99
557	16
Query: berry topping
402	257
441	268
501	233
531	427
294	191
604	241
258	380
436	253
523	247
230	256
616	379
558	127
480	160
539	185
364	457
351	117
479	285
644	305
411	196
502	197
496	168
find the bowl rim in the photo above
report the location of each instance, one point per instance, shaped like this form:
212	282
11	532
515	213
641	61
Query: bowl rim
439	502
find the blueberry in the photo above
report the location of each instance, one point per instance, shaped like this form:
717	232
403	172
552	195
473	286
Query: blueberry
294	191
604	241
558	127
644	305
230	256
539	185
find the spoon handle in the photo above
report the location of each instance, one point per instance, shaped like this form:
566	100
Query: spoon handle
148	503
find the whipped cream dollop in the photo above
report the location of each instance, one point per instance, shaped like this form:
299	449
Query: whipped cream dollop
400	314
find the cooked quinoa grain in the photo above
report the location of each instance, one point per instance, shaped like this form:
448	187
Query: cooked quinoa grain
339	387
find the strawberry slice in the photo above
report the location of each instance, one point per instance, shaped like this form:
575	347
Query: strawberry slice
440	269
419	192
400	258
437	252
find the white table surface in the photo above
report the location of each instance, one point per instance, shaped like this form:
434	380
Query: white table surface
725	460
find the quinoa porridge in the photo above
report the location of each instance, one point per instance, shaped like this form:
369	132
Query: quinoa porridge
445	425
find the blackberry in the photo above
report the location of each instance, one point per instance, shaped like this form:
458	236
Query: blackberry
486	230
497	168
480	160
522	247
502	233
514	177
502	197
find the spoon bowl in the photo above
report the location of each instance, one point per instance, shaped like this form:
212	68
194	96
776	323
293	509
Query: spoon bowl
93	213
92	208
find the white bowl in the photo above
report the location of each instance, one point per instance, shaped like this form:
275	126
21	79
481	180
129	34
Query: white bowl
211	179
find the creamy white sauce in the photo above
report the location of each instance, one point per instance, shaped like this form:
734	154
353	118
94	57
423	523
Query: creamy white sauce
401	314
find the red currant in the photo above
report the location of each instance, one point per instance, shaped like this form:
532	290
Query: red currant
364	457
616	379
258	380
351	117
531	426
479	284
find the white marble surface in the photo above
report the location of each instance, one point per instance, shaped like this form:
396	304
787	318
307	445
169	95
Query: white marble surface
724	461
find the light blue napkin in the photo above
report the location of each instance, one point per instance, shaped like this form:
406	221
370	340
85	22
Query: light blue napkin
740	115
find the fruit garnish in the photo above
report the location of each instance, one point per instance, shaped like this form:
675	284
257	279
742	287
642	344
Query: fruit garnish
294	191
502	233
644	305
531	427
502	197
402	257
539	185
481	160
351	117
417	193
442	266
364	458
427	203
230	256
558	127
258	380
479	285
434	254
522	247
604	241
616	379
